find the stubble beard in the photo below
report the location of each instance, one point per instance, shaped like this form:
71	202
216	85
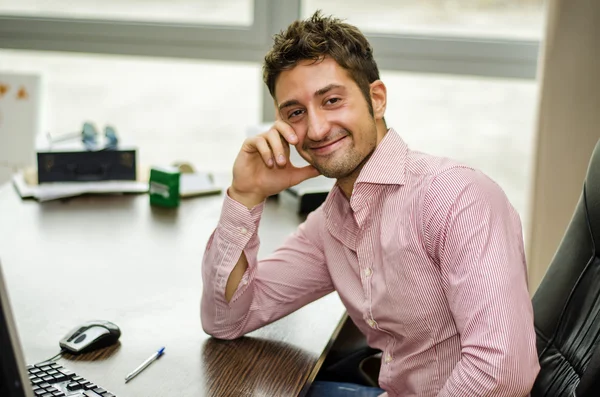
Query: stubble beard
343	165
340	167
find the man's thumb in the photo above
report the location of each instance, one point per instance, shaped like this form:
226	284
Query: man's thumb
303	173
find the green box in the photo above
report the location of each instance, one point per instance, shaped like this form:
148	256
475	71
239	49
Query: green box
164	186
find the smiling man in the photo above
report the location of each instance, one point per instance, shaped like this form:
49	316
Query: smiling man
425	253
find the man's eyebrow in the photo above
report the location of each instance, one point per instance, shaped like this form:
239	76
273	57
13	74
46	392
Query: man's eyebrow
326	89
287	104
319	92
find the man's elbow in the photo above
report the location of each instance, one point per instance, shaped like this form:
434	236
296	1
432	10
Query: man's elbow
516	381
218	331
519	385
220	334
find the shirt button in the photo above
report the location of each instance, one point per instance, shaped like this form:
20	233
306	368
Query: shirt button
388	358
245	281
368	272
371	323
243	230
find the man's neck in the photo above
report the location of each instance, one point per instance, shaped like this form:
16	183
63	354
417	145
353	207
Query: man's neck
346	184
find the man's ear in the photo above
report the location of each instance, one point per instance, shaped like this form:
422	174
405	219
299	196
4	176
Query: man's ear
378	98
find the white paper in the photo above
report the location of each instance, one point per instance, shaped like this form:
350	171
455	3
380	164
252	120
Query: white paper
58	190
197	184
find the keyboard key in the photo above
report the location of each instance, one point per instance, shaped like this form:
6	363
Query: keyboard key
46	368
60	377
99	390
90	386
47	395
108	395
37	381
52	372
44	385
74	386
35	370
48	378
77	379
39	392
67	372
58	393
57	378
90	393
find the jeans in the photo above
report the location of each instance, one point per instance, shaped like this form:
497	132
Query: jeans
340	389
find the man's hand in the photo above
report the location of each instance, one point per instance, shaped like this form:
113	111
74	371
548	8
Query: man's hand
263	168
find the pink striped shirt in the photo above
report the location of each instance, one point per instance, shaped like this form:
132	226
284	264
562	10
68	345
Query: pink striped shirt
427	256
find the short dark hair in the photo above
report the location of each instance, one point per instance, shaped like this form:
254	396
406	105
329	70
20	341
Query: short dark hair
315	38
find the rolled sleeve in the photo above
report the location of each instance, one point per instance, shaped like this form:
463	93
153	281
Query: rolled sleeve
294	275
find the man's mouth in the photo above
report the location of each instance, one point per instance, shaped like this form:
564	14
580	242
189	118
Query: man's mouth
328	147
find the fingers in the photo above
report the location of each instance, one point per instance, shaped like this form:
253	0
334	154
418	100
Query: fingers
262	146
279	146
279	137
273	145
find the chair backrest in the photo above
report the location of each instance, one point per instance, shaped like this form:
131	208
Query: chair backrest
567	303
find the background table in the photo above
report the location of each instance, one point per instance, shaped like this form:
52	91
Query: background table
116	258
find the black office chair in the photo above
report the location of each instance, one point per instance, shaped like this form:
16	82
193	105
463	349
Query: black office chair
567	303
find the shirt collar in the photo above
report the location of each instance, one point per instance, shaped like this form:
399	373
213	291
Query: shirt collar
387	163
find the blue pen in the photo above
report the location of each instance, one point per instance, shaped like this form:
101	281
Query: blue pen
145	364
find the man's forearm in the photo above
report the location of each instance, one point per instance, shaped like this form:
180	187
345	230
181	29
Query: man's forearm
497	380
227	257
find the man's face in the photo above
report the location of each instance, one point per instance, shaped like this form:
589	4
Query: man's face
325	107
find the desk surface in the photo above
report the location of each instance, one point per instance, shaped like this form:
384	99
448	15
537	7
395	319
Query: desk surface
116	258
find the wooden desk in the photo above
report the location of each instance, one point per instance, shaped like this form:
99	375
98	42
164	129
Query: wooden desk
116	258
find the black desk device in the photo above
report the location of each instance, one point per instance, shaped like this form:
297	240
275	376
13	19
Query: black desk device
90	336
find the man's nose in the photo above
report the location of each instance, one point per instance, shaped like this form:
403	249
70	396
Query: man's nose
318	126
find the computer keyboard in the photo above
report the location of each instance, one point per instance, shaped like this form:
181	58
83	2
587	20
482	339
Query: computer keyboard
51	379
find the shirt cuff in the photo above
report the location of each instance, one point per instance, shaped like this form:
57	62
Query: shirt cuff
237	223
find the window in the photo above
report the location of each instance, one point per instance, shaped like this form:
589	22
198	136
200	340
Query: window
173	110
222	12
522	19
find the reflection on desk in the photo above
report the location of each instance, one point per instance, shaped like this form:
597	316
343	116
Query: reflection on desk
115	258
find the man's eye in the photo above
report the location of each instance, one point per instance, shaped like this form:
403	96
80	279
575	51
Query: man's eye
333	100
295	113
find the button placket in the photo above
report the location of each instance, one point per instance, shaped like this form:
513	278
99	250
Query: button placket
365	258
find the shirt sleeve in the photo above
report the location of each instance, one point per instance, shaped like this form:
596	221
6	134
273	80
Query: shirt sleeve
293	276
475	236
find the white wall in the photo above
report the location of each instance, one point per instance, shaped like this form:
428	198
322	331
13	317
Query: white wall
568	125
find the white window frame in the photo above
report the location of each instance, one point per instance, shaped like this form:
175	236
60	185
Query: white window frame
512	58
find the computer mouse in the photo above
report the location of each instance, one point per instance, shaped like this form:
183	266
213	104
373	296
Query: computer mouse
90	336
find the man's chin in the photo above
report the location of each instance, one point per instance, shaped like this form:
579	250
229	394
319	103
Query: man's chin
335	173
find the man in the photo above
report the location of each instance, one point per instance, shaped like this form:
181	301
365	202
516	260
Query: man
425	253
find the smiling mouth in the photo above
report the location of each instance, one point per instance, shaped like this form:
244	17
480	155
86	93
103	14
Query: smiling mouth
327	146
